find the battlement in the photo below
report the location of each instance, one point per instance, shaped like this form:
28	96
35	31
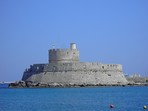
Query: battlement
72	47
61	50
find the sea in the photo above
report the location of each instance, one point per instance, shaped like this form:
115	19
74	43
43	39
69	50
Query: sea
74	99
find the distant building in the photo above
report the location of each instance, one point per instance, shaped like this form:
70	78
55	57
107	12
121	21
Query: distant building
136	75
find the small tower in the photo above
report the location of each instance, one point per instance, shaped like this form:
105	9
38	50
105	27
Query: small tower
64	55
73	46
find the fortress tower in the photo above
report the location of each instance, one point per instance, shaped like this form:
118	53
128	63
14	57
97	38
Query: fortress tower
64	55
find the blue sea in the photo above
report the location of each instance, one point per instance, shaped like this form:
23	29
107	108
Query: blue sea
74	99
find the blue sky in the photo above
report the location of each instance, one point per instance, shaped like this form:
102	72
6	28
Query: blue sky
106	31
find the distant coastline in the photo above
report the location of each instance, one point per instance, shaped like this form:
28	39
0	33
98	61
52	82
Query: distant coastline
4	85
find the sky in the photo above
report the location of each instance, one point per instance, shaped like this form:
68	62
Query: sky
106	31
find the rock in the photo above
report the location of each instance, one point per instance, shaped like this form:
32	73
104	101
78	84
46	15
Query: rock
17	84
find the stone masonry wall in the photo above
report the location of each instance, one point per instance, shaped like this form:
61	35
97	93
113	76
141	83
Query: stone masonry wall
76	73
63	55
79	77
81	66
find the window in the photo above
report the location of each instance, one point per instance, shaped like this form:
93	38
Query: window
109	74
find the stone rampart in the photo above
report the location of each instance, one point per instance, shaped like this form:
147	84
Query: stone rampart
75	72
79	77
79	66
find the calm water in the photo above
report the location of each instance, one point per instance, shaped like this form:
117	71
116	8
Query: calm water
74	99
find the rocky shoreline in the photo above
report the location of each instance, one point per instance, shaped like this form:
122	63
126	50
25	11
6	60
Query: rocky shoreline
28	84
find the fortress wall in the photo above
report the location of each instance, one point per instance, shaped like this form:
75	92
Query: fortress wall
81	66
79	77
75	72
63	55
111	66
73	67
35	68
35	78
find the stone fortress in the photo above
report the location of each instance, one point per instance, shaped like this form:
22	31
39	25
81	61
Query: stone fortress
64	68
